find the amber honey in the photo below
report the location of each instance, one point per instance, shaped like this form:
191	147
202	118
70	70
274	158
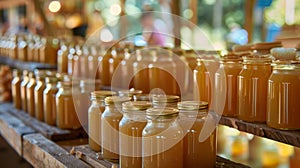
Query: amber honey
38	95
114	61
162	139
110	127
253	88
49	100
130	133
62	59
103	68
283	91
195	153
202	83
16	89
95	111
70	64
24	83
126	70
30	94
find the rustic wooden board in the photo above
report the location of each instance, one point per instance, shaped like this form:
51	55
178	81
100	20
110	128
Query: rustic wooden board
12	129
51	132
262	130
41	152
25	65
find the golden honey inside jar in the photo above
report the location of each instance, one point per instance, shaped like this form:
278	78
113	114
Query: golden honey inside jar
110	119
162	139
252	88
66	114
49	100
164	101
30	93
24	83
130	133
283	97
193	114
95	111
16	89
38	94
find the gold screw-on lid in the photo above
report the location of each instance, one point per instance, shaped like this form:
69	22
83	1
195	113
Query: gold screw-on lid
192	105
167	112
165	98
116	100
102	94
136	106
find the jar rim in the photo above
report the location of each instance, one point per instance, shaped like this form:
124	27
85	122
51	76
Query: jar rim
164	98
132	106
110	100
192	105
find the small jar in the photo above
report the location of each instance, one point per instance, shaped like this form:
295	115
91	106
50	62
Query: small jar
49	100
253	88
283	97
66	116
193	115
202	85
110	127
164	101
226	86
103	68
130	93
38	94
30	94
16	89
162	139
24	83
94	117
130	133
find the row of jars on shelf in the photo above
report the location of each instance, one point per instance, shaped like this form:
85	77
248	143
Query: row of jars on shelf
30	48
153	133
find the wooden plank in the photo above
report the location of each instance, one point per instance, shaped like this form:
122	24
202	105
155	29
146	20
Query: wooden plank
262	130
41	152
12	129
248	24
51	132
225	163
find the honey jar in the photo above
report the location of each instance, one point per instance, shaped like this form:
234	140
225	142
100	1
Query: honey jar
202	83
195	153
253	88
126	71
110	119
16	89
70	64
95	111
103	68
117	55
38	94
283	91
226	85
162	139
66	117
49	100
24	83
30	93
130	133
62	58
22	49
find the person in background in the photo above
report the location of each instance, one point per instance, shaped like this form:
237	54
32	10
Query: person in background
151	33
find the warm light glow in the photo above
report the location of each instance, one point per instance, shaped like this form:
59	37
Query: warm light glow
54	6
290	12
106	36
115	9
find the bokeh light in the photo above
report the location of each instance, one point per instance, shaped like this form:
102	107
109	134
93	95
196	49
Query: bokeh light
115	9
54	6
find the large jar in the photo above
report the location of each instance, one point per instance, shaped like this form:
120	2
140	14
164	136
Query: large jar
253	88
49	100
130	133
24	83
202	83
164	101
16	89
95	111
226	84
110	127
193	115
30	94
283	97
38	95
162	139
66	117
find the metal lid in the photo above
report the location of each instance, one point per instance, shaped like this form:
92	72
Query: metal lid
163	112
130	92
192	105
136	106
102	94
116	100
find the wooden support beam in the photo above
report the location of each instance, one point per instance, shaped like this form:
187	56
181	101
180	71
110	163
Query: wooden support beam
175	6
248	25
193	7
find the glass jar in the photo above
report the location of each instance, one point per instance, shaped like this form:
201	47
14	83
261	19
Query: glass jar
130	133
76	72
62	58
117	55
283	91
103	68
49	100
110	127
70	64
24	83
193	115
16	89
38	94
126	70
253	88
226	83
22	49
48	50
30	49
162	139
30	93
66	116
164	101
202	83
95	111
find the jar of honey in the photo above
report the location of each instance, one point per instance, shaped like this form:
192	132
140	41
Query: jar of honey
164	101
30	49
253	88
24	83
22	49
202	83
70	65
130	133
92	63
30	93
38	94
62	58
16	89
66	117
76	72
117	55
126	70
162	139
103	68
49	100
226	85
283	91
110	119
95	111
195	153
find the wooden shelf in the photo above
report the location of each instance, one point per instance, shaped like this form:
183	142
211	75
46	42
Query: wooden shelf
262	130
30	66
